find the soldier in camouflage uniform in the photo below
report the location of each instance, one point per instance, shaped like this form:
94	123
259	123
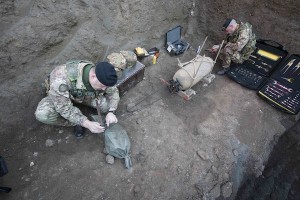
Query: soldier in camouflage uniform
80	82
239	44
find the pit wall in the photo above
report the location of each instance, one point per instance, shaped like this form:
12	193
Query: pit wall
34	33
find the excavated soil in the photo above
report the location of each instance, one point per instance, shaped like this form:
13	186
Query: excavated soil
205	148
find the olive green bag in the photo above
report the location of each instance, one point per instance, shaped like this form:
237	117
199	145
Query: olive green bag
117	143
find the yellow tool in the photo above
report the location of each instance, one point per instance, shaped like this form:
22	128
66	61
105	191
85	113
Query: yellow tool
154	60
141	51
268	55
291	80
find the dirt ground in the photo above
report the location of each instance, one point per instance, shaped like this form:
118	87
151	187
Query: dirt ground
179	149
204	148
280	179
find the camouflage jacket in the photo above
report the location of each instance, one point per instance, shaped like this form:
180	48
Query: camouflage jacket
67	85
242	40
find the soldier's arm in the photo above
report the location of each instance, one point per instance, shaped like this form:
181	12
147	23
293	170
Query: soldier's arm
112	94
242	40
59	94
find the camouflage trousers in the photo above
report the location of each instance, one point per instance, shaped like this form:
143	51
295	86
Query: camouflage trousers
228	56
47	114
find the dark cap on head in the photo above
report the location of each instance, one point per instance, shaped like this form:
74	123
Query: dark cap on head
226	24
106	73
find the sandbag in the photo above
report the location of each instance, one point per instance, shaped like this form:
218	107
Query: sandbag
117	60
117	143
130	57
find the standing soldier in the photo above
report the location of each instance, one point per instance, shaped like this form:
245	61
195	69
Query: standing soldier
239	44
80	82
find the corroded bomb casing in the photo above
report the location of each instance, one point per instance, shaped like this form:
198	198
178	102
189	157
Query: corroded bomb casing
193	71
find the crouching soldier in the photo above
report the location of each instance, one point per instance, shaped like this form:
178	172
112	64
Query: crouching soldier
80	82
239	44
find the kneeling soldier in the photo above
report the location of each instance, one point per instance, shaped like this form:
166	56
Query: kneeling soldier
80	82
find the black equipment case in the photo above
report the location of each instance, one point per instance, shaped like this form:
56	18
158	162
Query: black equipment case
282	91
174	44
3	167
3	171
255	71
130	77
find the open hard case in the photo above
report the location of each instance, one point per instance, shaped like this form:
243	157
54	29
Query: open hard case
283	88
173	43
130	77
256	71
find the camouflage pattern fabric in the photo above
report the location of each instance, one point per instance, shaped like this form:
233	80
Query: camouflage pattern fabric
130	57
117	60
66	87
119	72
228	57
238	46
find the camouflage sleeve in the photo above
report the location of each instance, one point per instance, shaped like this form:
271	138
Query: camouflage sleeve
59	94
112	94
243	39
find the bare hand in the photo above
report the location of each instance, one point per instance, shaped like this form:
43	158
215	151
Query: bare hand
215	48
228	48
111	118
94	127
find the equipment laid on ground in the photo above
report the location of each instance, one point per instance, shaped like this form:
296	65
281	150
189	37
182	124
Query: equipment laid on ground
273	74
3	171
139	51
283	89
255	71
191	72
130	77
174	44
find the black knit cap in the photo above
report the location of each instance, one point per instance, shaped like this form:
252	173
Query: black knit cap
226	24
106	73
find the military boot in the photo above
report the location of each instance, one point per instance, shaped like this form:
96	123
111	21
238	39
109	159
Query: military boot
78	131
223	71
